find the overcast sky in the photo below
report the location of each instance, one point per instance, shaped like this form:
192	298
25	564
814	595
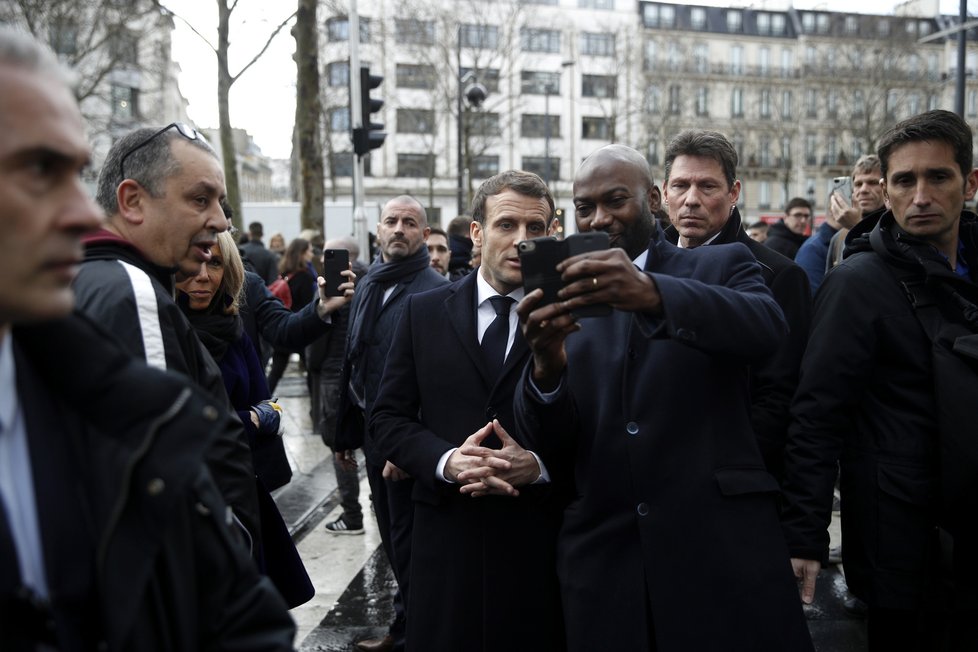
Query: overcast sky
263	100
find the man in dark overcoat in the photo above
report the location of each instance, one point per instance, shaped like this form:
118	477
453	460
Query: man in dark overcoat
485	523
671	539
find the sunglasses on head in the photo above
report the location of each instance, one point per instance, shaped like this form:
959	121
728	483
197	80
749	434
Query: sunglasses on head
184	130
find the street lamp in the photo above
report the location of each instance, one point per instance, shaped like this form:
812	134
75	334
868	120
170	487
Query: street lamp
548	90
475	94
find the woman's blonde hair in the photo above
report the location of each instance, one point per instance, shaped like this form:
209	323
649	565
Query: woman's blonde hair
232	285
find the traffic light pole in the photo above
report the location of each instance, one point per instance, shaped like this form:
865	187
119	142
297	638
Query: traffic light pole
356	121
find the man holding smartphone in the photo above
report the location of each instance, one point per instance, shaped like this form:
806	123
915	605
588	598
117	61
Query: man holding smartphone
485	521
672	513
848	205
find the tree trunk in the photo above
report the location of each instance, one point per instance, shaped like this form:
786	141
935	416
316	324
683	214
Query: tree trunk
308	112
224	81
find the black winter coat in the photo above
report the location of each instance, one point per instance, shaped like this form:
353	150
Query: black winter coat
170	573
774	380
866	398
783	240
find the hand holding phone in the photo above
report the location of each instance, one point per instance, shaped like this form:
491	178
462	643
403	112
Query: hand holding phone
335	261
539	258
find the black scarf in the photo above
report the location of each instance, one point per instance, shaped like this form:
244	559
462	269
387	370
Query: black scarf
215	329
371	289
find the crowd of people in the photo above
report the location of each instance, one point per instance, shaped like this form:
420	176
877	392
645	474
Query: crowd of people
657	478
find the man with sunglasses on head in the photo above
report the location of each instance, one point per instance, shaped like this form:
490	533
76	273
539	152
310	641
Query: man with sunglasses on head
161	191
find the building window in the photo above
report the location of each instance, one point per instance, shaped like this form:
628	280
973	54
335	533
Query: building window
737	103
534	125
852	25
415	76
653	99
485	37
786	101
735	20
483	123
785	150
808	22
892	101
701	58
124	48
763	23
913	103
777	24
811	149
338	73
831	149
339	119
765	103
697	17
832	104
675	105
858	104
811	103
673	56
764	195
341	164
822	23
702	101
787	62
338	29
598	44
534	82
539	40
418	32
737	59
598	86
416	165
485	166
658	15
488	77
650	55
883	27
972	104
764	60
932	102
764	152
738	145
538	165
598	128
63	36
653	154
125	103
415	121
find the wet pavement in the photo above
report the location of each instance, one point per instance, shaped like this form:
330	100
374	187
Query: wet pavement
353	579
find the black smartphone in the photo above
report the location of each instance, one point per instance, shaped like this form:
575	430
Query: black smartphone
334	262
539	258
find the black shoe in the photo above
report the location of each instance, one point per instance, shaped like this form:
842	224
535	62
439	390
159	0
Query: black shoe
855	607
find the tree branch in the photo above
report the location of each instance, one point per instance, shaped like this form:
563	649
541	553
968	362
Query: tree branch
271	38
188	24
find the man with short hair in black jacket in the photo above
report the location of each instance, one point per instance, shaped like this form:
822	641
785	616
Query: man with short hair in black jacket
701	192
112	533
894	409
787	235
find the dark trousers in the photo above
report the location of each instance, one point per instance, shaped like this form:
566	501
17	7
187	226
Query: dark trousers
899	630
394	510
323	404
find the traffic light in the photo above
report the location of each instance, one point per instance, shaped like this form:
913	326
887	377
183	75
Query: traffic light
371	135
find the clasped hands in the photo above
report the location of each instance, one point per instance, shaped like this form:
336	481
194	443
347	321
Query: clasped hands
491	472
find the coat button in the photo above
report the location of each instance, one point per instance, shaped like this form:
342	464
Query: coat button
631	428
155	487
686	335
210	413
642	509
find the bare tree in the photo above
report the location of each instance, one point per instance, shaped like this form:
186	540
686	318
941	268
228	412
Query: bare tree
225	80
308	109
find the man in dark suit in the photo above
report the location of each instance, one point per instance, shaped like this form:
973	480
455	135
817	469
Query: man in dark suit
701	192
482	572
403	269
671	539
112	533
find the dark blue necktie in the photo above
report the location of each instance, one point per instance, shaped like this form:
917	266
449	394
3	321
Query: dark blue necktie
497	335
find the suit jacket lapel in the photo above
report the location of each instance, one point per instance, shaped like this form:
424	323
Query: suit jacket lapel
460	308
